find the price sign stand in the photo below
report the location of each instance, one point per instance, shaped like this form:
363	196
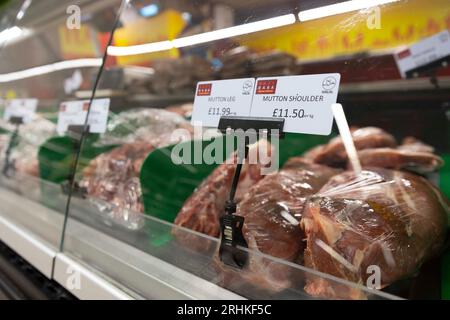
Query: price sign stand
425	57
8	168
230	223
75	132
430	71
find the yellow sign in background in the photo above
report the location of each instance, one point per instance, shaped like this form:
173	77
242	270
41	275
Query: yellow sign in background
165	26
78	43
401	23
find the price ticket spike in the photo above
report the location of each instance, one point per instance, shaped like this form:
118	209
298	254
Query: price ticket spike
230	223
346	136
8	168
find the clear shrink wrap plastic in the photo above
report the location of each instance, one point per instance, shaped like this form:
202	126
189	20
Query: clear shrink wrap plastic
389	219
377	148
202	210
31	136
336	222
24	154
154	125
272	209
385	219
112	179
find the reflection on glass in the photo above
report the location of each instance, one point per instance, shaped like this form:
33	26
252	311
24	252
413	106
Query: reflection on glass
135	192
44	62
313	229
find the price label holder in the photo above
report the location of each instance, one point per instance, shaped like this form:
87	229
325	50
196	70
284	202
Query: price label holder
17	112
71	121
298	104
76	133
230	223
303	101
215	99
425	57
75	113
8	167
20	108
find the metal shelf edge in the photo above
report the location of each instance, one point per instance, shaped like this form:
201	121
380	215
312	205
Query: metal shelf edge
84	283
36	251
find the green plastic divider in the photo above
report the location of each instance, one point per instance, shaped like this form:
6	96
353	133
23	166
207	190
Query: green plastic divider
56	157
57	154
444	184
166	185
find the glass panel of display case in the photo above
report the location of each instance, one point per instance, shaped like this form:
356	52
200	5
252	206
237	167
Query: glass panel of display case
165	261
51	53
158	182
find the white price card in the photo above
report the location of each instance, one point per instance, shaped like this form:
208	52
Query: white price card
427	51
21	108
214	99
303	101
75	112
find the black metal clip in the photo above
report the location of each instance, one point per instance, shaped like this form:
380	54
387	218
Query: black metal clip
76	131
230	223
430	70
258	124
231	226
78	191
9	167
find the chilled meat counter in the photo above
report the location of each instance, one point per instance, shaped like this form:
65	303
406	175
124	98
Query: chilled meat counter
106	168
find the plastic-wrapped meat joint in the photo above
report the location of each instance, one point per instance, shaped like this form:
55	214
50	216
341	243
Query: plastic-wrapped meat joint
112	182
388	219
112	178
400	159
412	155
152	125
413	144
202	210
31	135
334	154
272	210
377	148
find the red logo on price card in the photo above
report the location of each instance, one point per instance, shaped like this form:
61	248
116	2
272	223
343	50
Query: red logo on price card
85	106
204	89
266	86
404	54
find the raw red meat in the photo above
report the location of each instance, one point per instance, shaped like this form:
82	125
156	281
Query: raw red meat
112	182
412	155
334	154
202	210
112	178
405	159
413	144
394	220
272	210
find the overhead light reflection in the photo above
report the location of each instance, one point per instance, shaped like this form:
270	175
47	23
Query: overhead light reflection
149	11
339	8
9	34
203	37
49	68
140	49
235	31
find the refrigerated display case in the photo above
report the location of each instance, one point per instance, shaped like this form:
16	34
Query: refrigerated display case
140	224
